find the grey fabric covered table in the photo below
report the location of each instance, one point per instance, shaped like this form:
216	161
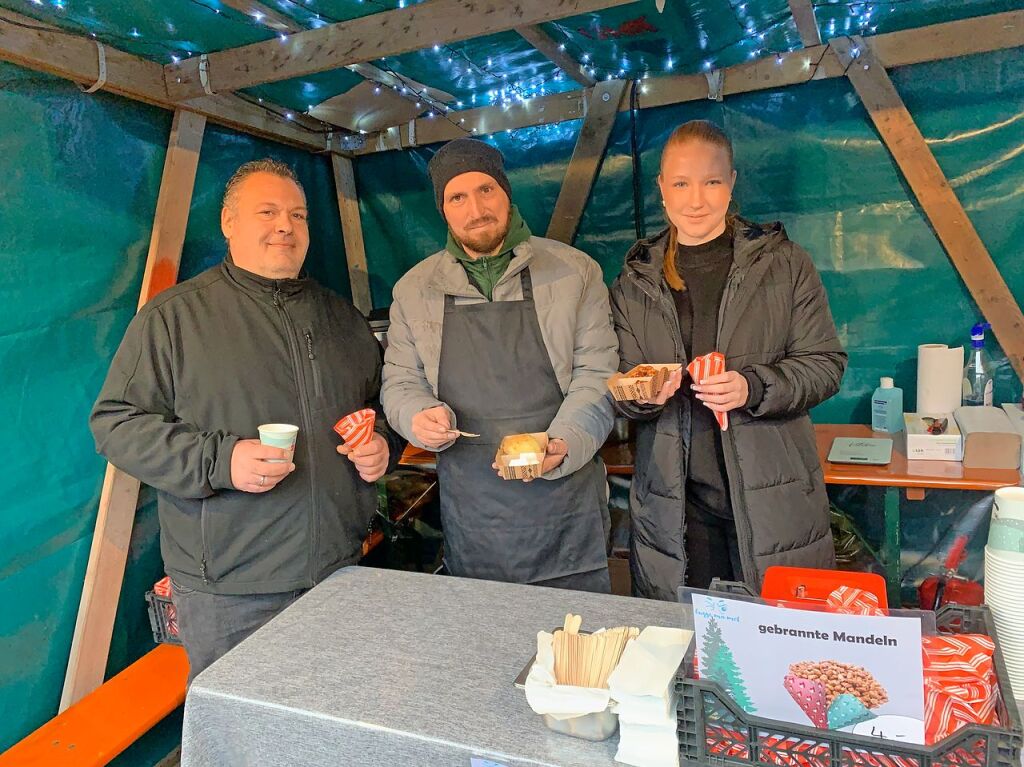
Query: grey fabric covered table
388	668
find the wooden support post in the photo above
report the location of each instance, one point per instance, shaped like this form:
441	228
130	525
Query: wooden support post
105	572
352	231
172	205
541	40
806	24
586	160
938	201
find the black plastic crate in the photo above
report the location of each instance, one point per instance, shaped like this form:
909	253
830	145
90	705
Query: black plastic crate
162	619
714	730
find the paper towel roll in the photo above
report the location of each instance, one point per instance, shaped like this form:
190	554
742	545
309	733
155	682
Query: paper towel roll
940	374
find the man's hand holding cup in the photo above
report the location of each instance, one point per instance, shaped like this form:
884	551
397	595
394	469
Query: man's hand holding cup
259	465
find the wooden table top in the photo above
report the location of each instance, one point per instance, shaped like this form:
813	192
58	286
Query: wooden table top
900	472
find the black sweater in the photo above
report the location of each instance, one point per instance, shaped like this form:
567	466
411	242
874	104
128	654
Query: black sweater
704	269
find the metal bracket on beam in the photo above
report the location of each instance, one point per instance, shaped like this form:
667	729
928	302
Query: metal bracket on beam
102	75
716	84
204	74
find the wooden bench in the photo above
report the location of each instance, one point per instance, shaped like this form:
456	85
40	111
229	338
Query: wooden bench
108	720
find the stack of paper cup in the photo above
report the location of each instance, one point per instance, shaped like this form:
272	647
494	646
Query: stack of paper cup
1004	580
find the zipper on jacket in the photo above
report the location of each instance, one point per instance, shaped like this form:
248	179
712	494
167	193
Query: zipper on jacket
290	333
744	529
317	382
743	526
203	538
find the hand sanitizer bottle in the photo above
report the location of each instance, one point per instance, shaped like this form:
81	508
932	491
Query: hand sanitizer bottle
887	407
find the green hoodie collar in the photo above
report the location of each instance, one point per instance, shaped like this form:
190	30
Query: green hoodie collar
518	233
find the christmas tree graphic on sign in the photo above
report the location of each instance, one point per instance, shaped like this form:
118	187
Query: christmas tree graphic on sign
717	664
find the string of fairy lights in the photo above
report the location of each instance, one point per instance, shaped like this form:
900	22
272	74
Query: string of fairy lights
485	78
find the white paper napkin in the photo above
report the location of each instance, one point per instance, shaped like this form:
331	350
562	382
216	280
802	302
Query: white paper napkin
642	686
645	745
649	663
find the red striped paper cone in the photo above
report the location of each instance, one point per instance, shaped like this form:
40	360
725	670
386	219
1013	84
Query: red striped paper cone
357	428
704	367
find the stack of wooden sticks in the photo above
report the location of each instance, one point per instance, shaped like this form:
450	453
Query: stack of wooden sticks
587	660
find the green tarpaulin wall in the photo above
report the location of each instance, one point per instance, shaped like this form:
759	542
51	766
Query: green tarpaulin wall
80	181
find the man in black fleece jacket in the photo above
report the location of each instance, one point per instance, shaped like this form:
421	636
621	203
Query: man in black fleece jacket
245	529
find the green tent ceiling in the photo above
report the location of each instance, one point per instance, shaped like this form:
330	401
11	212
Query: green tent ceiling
631	41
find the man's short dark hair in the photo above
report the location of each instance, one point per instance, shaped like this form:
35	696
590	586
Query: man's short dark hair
266	165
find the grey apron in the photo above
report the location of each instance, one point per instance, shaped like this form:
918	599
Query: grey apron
496	375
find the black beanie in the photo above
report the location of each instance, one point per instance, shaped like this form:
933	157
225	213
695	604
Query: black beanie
465	155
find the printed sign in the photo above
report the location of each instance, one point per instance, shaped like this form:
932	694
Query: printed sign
854	673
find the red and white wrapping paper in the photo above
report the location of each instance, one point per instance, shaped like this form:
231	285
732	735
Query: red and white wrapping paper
704	367
852	601
960	684
162	588
357	428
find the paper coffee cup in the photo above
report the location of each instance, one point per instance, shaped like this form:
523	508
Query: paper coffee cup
281	435
1008	504
1007	535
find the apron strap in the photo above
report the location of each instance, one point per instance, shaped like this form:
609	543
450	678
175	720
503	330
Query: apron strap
524	280
527	282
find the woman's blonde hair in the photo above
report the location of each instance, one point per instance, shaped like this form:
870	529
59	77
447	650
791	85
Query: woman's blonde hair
695	130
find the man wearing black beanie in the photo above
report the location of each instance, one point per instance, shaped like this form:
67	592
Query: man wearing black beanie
505	333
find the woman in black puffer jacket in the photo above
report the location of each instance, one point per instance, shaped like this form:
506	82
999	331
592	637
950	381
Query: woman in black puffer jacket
709	503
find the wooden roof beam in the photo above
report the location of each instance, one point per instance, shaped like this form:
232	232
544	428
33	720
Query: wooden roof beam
37	46
265	15
542	41
806	24
436	22
982	34
280	23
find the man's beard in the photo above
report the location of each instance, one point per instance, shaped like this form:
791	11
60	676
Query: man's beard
487	243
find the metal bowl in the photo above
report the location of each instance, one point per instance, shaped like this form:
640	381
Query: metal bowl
599	725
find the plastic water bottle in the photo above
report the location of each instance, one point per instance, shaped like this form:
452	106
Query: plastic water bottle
978	373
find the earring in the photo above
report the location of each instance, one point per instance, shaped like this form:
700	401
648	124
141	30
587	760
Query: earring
663	204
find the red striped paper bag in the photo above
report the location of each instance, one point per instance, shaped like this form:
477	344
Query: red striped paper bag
852	601
357	428
162	588
704	367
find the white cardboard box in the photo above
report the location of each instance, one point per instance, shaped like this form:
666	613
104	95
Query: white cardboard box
922	446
